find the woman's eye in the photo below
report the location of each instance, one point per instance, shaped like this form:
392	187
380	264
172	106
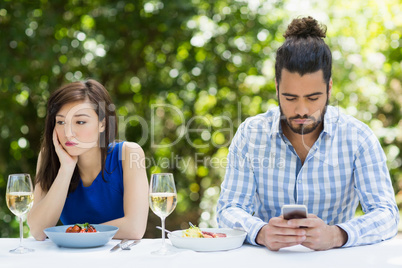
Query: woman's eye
81	122
60	122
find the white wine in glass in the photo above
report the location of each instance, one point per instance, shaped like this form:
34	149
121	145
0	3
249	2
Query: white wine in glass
19	198
162	200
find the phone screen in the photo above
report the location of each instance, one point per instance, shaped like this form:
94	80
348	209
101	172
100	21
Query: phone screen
294	212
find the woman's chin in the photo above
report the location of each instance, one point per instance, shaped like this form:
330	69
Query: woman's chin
73	151
79	150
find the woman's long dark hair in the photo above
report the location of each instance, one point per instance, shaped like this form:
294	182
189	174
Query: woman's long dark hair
98	96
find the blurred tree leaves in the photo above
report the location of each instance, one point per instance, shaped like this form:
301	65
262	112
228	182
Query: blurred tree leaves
183	75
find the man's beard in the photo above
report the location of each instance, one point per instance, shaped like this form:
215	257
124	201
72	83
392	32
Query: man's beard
303	129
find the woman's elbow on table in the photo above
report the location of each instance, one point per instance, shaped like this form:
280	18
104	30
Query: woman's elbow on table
137	235
37	233
130	231
132	235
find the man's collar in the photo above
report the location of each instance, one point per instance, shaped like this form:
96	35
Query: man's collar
276	129
331	118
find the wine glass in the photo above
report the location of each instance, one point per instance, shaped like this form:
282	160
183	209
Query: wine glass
19	197
162	200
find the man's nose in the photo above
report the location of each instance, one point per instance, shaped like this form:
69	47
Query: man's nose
301	108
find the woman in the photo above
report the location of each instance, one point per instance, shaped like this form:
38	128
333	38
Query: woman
82	174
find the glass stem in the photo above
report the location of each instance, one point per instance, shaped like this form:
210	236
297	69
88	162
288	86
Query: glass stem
163	232
21	231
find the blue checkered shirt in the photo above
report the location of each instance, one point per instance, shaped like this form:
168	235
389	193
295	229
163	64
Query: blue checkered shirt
344	166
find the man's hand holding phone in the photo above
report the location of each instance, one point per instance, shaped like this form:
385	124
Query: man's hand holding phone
319	235
278	233
314	234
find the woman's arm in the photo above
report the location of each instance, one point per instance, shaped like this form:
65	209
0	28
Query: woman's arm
134	222
47	207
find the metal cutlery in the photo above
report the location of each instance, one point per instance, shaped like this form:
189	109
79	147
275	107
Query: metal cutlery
119	245
127	246
160	228
169	232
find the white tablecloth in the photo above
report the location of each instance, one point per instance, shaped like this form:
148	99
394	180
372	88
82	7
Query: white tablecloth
47	254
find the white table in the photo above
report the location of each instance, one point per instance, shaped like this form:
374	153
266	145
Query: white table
47	254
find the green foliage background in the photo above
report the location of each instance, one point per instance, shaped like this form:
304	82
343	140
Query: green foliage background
211	59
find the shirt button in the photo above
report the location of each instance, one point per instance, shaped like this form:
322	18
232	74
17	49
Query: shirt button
299	181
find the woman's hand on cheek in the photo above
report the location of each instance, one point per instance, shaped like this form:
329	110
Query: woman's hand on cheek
66	161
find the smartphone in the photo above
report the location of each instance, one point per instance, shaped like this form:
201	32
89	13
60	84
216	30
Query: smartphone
294	212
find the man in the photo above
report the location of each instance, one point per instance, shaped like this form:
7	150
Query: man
306	152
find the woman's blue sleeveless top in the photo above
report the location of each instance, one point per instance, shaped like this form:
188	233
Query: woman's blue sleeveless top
103	200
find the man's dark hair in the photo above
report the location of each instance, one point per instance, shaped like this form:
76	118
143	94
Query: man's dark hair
304	50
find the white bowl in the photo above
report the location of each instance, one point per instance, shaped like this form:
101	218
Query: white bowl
234	239
81	240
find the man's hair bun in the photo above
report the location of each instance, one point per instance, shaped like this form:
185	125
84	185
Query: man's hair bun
305	27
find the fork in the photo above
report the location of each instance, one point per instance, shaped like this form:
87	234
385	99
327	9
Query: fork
160	228
127	246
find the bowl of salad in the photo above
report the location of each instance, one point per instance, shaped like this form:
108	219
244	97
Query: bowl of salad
208	239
